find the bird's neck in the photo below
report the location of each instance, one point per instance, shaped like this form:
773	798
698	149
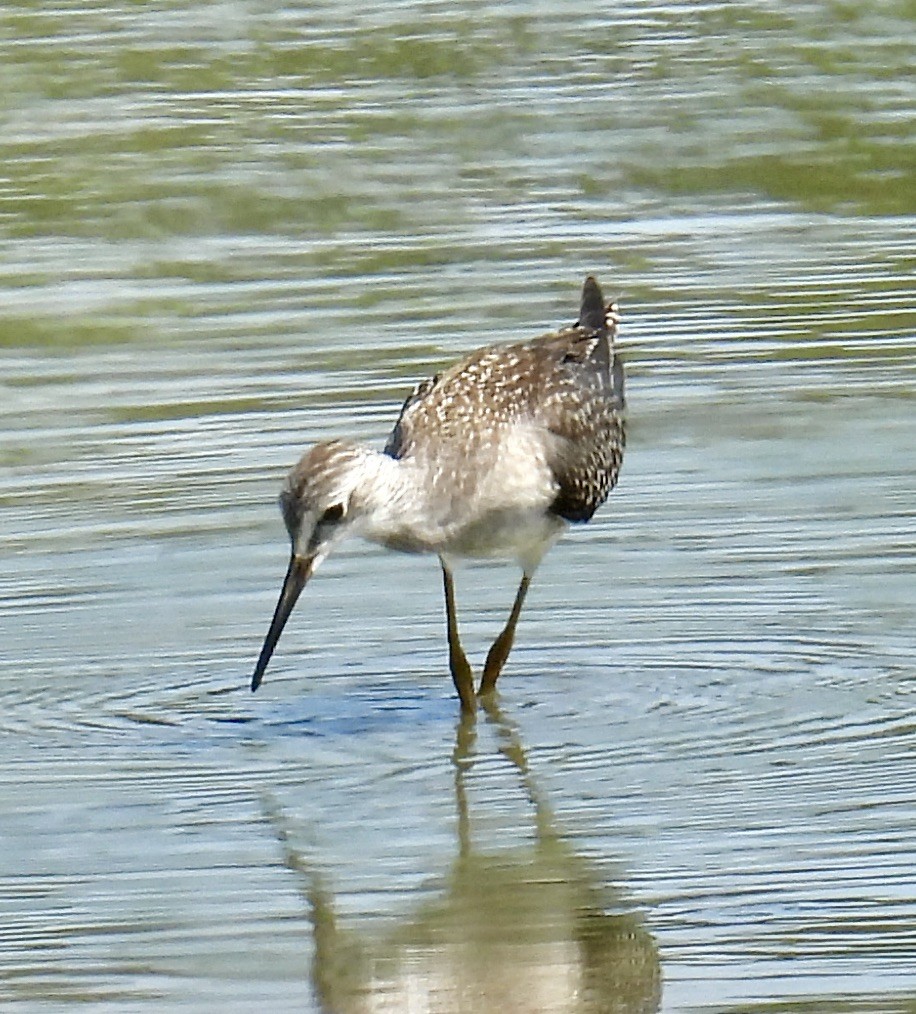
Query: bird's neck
390	502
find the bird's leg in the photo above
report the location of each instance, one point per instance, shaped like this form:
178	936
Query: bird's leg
496	657
458	663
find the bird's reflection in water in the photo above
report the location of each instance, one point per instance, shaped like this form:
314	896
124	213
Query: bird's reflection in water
524	929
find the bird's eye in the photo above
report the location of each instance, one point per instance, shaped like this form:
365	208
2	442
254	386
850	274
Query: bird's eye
333	514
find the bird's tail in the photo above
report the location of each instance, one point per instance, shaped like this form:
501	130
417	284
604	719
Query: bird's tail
597	316
593	313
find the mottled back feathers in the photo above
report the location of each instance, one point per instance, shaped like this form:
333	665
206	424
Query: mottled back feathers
567	386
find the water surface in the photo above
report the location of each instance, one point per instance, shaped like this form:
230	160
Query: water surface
229	230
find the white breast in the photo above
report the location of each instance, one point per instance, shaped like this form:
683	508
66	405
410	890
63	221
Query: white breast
493	502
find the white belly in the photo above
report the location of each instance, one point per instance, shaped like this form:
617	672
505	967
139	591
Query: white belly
499	510
524	536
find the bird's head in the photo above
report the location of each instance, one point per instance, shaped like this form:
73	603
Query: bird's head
319	507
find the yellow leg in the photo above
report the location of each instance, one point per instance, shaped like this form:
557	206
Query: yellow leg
496	658
462	675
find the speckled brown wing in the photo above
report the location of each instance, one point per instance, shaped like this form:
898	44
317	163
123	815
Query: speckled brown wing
568	383
583	412
399	439
581	404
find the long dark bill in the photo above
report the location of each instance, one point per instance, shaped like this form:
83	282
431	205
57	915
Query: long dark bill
300	570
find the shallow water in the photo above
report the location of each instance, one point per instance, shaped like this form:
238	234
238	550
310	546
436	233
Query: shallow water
228	231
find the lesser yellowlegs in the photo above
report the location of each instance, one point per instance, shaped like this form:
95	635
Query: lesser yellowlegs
491	458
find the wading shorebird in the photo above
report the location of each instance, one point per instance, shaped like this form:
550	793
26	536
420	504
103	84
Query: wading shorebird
491	458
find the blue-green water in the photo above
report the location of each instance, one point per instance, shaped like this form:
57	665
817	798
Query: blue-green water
228	230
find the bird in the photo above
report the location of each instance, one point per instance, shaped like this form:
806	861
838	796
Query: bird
494	457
